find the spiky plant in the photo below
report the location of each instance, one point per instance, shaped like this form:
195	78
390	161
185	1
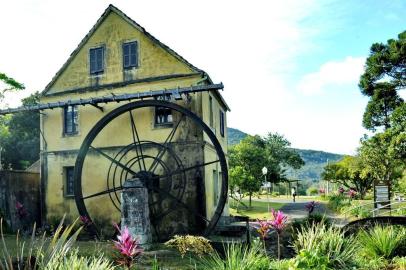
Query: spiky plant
329	242
381	241
237	257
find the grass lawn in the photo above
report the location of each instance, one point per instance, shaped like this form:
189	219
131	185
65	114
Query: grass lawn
259	209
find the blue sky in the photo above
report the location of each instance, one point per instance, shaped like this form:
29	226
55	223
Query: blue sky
290	67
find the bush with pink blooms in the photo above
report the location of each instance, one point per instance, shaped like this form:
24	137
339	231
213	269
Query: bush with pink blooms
128	248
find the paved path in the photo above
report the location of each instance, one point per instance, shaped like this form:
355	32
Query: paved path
297	210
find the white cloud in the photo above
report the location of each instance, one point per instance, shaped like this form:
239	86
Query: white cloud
332	73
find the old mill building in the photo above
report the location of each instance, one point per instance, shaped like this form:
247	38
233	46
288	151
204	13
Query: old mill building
117	57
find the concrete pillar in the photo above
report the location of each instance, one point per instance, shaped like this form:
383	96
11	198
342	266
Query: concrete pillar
135	211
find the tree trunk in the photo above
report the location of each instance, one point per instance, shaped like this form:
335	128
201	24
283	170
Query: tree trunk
250	195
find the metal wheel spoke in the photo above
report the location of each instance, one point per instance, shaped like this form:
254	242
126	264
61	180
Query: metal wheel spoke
162	152
188	169
180	203
103	192
137	142
113	160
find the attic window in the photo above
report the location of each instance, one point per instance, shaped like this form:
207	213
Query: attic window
96	56
130	55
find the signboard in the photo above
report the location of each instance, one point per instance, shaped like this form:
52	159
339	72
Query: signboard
382	196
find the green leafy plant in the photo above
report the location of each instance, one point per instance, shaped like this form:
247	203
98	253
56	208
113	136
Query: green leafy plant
75	262
399	263
155	264
381	241
311	259
329	242
39	253
196	245
279	265
237	257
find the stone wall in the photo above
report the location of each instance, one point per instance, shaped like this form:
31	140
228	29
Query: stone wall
22	187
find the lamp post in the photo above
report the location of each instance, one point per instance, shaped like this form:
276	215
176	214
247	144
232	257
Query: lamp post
264	172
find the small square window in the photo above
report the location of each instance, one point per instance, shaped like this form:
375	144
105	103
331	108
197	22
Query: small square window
222	123
96	56
70	119
130	55
69	181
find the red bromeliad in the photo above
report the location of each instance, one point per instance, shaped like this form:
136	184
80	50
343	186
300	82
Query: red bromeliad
311	206
264	227
129	249
279	223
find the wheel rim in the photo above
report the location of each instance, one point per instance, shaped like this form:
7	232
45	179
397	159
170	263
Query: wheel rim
147	165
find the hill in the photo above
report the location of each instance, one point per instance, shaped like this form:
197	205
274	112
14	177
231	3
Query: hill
315	160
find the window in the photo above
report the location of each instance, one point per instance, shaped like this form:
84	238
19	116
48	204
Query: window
222	123
69	191
70	119
211	111
163	115
130	55
96	56
215	187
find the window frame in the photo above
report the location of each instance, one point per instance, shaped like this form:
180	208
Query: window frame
69	171
97	72
164	124
222	122
211	114
75	124
135	65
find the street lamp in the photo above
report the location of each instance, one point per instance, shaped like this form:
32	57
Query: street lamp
264	172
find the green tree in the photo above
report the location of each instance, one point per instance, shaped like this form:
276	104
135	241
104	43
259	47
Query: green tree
10	85
380	107
384	76
350	172
246	161
252	154
21	141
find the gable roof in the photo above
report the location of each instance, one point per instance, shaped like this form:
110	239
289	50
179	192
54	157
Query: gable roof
114	9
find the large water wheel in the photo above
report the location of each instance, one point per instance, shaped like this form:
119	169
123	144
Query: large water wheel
173	169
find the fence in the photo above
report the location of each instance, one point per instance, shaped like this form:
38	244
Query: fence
20	188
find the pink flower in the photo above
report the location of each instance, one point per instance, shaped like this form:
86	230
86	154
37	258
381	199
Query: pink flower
128	247
85	220
264	227
322	191
311	206
352	193
279	221
21	212
341	190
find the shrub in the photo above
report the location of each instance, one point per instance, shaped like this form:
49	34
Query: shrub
237	257
310	221
312	191
309	260
76	262
337	202
381	241
329	242
45	252
279	265
194	244
399	263
359	211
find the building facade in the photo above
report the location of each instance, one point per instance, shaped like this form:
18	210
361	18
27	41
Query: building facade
117	57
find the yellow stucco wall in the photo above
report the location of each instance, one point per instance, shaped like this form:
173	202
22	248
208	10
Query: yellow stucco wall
112	33
154	61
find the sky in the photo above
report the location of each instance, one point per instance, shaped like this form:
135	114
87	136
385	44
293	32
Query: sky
290	67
